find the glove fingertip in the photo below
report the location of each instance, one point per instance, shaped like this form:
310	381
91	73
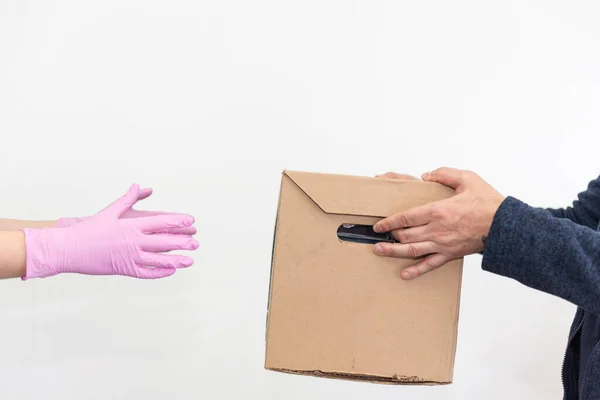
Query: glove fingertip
181	221
186	262
188	220
144	193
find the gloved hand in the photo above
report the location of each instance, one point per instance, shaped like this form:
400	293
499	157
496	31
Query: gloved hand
106	244
131	213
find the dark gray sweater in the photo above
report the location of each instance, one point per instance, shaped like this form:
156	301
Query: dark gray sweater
557	251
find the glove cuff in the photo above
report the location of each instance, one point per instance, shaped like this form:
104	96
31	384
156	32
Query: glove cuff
38	254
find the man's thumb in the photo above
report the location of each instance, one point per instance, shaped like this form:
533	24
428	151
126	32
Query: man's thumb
450	177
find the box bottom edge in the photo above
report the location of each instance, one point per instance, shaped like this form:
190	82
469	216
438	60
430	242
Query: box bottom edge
390	380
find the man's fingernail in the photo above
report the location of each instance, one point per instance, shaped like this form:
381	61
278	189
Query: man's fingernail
406	274
378	249
426	175
377	228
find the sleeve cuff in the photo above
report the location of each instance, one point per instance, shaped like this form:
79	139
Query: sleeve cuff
504	247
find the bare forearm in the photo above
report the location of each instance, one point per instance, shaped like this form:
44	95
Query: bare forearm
15	224
13	258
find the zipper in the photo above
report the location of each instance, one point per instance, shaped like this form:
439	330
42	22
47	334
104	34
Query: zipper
587	368
575	332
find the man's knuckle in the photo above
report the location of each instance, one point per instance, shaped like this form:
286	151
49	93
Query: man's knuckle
428	266
444	238
403	220
457	249
414	251
438	213
434	209
423	268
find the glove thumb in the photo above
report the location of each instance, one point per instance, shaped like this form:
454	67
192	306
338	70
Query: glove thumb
125	202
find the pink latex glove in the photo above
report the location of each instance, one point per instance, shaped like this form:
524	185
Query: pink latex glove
131	213
106	244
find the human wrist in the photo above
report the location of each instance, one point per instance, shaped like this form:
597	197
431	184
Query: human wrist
12	254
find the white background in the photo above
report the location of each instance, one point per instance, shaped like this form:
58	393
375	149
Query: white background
207	102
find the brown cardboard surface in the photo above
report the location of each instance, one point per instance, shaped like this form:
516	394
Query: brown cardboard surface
338	310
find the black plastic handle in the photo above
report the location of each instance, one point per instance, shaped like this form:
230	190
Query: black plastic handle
363	234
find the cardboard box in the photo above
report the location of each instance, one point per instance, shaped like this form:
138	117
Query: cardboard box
338	310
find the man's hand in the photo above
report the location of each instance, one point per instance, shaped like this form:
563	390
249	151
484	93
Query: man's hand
443	230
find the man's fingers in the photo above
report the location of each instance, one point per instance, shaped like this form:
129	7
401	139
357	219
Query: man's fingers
405	219
393	175
424	266
453	178
398	250
412	235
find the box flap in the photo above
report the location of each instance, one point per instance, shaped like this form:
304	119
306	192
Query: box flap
356	195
